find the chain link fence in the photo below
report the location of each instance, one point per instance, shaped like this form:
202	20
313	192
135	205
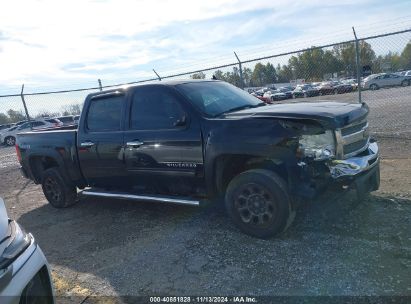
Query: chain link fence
378	66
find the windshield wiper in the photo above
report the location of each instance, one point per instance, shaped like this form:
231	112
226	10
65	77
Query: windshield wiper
242	108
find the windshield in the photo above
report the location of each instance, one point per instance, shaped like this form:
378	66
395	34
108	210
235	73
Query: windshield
215	98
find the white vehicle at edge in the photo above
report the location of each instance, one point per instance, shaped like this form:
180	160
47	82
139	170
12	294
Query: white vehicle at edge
24	271
376	81
9	136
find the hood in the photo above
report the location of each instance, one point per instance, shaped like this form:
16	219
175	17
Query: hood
328	114
4	225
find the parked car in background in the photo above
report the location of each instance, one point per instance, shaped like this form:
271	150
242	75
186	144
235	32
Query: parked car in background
67	120
24	271
325	87
376	81
76	119
405	73
261	91
9	137
351	81
5	126
275	95
262	98
341	87
305	90
288	91
55	123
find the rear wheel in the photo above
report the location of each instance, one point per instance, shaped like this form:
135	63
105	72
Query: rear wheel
10	141
405	83
59	193
374	87
258	203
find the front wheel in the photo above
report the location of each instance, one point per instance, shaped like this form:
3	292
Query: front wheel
405	83
258	203
59	193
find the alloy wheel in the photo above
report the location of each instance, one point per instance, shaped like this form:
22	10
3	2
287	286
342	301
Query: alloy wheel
255	205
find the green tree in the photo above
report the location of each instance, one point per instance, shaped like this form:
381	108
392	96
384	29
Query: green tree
220	75
46	113
346	54
247	76
15	116
199	75
406	57
3	119
73	109
270	73
284	73
258	76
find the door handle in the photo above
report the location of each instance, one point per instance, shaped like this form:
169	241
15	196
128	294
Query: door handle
134	144
87	144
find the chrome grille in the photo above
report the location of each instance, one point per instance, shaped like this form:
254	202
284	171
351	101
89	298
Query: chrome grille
353	128
352	139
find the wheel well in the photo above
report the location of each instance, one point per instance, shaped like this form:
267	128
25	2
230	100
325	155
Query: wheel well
229	166
39	164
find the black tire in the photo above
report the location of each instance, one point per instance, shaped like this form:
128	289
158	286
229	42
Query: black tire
374	87
405	83
59	193
258	203
10	140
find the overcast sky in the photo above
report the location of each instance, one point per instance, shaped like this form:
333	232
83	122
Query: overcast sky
62	44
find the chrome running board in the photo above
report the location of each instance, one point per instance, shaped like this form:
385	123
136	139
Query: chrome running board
152	198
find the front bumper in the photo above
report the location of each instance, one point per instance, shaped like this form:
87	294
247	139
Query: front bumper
351	167
362	171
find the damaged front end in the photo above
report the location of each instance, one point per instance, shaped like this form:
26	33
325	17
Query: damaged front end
344	156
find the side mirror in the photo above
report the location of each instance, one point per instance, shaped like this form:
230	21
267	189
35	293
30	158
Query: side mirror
182	121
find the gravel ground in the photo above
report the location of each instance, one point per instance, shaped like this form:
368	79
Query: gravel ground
113	247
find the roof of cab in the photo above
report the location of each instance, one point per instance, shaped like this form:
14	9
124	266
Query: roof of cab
162	83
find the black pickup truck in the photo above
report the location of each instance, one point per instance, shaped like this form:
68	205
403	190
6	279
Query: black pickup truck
186	141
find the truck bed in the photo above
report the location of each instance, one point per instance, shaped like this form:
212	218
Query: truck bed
57	144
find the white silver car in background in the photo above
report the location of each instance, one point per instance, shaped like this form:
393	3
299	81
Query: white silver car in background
24	271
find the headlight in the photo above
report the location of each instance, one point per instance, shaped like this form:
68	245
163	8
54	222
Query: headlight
319	146
17	242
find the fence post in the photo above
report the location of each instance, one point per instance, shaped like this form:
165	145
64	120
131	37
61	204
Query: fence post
241	70
159	78
25	106
358	63
100	85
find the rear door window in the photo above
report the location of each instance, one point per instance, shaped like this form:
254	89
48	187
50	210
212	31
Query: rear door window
104	114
